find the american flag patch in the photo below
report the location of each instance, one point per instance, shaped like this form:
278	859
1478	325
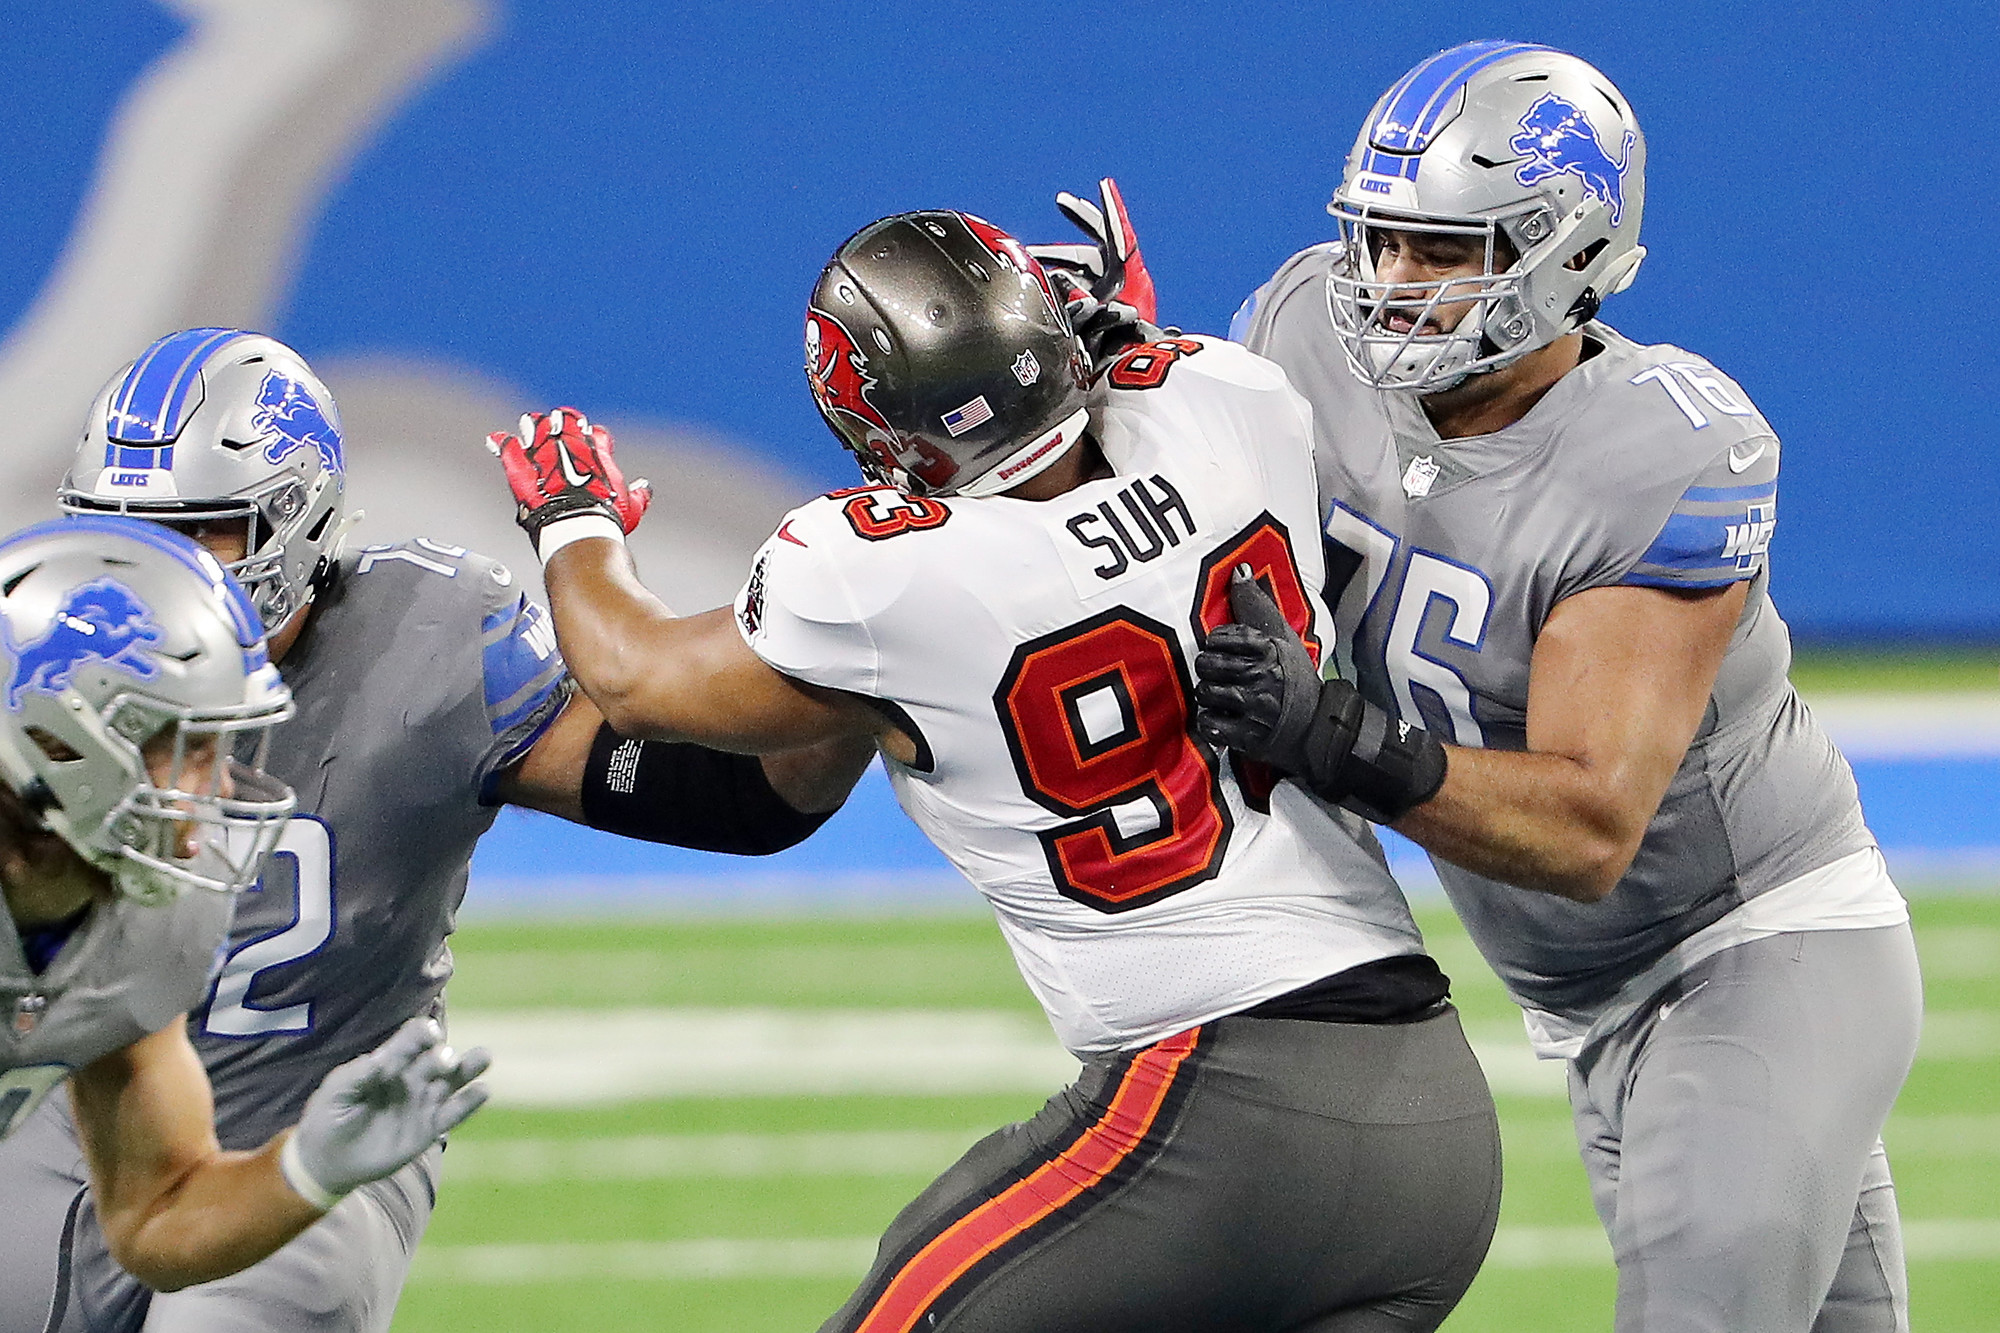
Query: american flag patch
965	418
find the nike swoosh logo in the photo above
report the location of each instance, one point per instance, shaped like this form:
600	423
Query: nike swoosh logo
570	474
785	534
1739	462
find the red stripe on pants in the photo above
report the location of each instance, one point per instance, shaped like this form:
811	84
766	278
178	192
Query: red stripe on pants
1113	1138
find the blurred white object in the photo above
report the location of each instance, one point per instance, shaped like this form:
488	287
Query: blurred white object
208	183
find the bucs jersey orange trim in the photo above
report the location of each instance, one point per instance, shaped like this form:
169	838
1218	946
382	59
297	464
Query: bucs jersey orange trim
1117	1137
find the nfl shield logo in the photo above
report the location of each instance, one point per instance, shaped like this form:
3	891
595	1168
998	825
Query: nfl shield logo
28	1011
1420	476
1027	369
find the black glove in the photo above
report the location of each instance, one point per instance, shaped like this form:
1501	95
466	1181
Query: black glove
1106	327
1259	694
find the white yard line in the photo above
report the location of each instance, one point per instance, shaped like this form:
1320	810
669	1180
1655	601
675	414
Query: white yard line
924	1153
1963	724
601	1057
708	1259
598	1057
535	1161
595	1057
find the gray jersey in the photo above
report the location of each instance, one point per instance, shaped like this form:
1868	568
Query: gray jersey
421	676
1644	466
127	971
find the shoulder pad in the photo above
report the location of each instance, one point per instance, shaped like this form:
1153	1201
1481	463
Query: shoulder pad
433	571
1307	268
1673	415
869	514
1165	363
1690	439
817	581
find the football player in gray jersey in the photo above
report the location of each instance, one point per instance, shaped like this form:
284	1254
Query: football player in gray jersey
1548	548
133	807
429	692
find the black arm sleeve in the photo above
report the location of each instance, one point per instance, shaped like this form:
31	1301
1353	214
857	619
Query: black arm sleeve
688	796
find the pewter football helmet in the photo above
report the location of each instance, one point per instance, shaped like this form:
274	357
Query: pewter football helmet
1522	148
138	702
939	354
219	423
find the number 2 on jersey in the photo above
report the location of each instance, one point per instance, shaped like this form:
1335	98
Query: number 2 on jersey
308	842
1097	718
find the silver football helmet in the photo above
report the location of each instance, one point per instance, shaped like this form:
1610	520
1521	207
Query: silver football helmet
139	701
941	357
219	423
1531	154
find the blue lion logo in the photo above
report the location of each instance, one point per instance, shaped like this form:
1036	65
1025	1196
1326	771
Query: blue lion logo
99	622
287	408
1557	135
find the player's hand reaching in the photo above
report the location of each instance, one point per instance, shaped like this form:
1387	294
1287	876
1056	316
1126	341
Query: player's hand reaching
1107	328
1110	267
1107	292
1259	693
561	470
375	1114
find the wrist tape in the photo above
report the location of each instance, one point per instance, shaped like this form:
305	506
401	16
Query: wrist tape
293	1168
558	533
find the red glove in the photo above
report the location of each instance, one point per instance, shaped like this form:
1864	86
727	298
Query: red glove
1110	268
560	467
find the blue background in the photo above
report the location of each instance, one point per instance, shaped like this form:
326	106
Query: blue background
623	205
1932	817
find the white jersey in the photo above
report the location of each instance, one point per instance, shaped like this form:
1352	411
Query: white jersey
1039	653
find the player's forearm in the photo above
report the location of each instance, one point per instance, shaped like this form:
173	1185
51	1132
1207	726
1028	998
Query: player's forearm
615	635
215	1218
1540	821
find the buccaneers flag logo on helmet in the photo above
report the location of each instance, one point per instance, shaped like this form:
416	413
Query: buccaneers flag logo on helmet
1013	254
839	372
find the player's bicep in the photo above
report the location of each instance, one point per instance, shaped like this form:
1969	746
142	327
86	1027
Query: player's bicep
1621	678
549	776
718	692
145	1117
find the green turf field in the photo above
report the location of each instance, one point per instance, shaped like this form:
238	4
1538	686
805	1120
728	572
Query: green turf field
1836	670
757	1212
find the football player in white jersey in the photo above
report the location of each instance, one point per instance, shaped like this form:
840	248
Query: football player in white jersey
137	682
1279	1124
1550	565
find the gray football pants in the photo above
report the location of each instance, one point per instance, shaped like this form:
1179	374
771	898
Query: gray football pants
1252	1175
1732	1133
343	1275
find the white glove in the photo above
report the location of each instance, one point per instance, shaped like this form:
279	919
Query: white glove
375	1114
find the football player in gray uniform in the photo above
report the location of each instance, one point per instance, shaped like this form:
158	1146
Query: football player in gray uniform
429	692
133	808
1548	552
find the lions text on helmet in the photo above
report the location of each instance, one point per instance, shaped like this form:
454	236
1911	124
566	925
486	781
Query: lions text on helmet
1490	203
